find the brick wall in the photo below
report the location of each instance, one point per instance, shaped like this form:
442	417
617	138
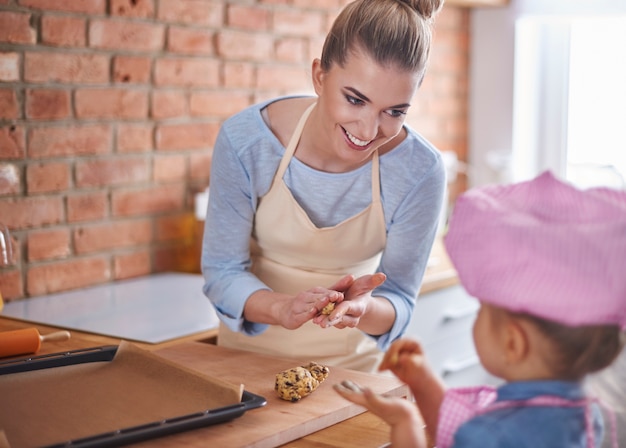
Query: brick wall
109	110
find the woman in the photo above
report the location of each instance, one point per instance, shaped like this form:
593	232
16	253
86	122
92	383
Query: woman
328	199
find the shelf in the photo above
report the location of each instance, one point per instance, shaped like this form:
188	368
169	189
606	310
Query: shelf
477	3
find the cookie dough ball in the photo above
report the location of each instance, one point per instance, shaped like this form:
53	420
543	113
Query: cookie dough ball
328	308
295	384
318	371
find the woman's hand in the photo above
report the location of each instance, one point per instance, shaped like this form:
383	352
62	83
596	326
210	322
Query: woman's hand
356	298
293	312
407	425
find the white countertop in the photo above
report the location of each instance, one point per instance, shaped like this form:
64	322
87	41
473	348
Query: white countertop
151	309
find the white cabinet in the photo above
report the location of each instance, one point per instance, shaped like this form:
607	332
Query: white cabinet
442	322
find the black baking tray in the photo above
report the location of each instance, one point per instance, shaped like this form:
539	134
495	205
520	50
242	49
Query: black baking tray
134	434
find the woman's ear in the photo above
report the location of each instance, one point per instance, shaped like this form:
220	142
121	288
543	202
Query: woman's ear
317	75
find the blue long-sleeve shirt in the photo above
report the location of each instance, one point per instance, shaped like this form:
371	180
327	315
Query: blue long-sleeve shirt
245	158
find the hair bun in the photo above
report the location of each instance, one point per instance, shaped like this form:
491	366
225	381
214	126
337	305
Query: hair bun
426	8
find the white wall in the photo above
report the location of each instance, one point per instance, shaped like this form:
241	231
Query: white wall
491	76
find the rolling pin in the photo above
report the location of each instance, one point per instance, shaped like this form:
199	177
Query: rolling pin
27	340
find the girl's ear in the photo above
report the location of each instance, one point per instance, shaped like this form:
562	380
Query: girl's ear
517	344
317	75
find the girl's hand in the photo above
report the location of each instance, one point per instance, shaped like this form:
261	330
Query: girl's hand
405	358
356	296
407	425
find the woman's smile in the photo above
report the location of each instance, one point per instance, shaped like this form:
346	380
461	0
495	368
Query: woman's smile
355	142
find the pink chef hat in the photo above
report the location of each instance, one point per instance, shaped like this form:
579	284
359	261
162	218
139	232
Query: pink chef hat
545	248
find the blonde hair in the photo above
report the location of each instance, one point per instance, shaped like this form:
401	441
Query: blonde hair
392	32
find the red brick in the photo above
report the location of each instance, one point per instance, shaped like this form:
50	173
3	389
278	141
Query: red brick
67	275
112	235
133	8
69	141
10	179
132	69
186	136
15	28
315	48
186	72
200	166
11	285
118	171
286	78
141	201
218	103
31	212
134	137
9	107
87	207
47	104
169	168
80	6
63	31
190	41
131	265
291	49
331	5
9	66
169	104
66	68
196	12
238	74
245	45
48	244
117	34
111	103
47	177
248	17
12	142
295	22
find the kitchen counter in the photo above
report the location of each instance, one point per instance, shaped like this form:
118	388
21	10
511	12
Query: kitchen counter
152	309
323	419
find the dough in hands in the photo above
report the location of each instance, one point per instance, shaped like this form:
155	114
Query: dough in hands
328	308
298	382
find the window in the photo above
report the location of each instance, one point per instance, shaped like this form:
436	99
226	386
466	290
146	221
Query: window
570	97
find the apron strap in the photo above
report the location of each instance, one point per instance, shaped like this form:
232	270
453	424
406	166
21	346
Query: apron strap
293	144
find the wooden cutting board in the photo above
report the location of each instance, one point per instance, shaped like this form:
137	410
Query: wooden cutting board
279	421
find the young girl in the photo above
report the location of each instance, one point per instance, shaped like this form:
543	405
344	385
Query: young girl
546	262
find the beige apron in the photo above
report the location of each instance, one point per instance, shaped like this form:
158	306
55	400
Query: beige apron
290	254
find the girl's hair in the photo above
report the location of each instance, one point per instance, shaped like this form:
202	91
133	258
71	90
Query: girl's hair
392	32
579	351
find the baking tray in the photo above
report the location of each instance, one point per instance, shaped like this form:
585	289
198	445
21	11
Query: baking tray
134	434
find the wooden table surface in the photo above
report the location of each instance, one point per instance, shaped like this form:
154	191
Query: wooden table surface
362	431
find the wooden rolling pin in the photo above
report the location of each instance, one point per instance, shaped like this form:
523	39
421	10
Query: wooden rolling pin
26	341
